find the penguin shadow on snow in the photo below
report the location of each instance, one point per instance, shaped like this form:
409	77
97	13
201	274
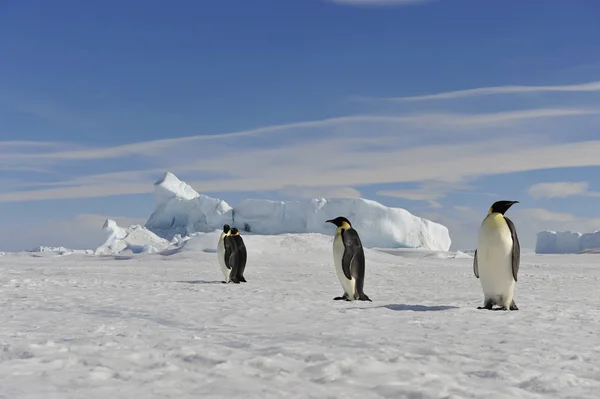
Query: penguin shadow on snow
200	282
412	308
417	308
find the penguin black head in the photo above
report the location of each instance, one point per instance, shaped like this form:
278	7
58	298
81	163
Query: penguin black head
501	206
340	221
234	231
226	228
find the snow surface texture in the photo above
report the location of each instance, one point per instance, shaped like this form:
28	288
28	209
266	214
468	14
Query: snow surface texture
566	242
182	211
61	250
154	326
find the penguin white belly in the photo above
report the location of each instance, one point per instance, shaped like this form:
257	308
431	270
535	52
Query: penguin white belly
221	256
494	260
349	286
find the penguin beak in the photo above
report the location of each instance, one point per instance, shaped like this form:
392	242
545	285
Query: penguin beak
329	221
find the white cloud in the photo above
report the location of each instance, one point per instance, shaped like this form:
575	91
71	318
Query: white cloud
24	144
321	192
463	208
84	231
429	192
423	120
486	91
561	190
341	164
313	156
543	215
416	194
378	2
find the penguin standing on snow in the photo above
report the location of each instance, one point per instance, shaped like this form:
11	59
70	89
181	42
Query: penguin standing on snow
497	258
225	269
349	260
235	255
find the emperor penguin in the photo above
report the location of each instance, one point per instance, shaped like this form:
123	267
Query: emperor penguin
241	255
497	258
349	260
225	269
235	256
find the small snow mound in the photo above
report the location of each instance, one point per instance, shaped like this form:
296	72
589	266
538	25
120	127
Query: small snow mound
60	250
260	243
135	238
461	255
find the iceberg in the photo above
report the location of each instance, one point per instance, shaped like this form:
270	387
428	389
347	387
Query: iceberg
181	212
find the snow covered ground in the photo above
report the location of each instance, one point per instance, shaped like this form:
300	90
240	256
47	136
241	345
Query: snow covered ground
162	326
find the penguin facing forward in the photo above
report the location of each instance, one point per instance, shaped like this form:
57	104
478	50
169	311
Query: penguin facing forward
225	269
235	255
497	258
349	260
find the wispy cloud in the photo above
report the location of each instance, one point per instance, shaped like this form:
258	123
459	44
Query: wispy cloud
328	156
342	165
24	144
321	192
423	120
429	192
494	90
562	190
374	3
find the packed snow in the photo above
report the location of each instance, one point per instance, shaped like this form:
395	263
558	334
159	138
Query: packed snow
181	211
566	242
60	250
154	325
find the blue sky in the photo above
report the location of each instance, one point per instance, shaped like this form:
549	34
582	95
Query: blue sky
98	99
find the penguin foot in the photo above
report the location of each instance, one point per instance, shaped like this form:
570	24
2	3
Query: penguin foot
487	305
243	280
364	297
341	298
513	306
223	282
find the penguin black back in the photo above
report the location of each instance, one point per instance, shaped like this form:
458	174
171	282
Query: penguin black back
240	257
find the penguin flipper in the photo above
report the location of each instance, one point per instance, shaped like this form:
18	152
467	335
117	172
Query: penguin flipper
233	264
516	249
352	247
229	250
475	265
